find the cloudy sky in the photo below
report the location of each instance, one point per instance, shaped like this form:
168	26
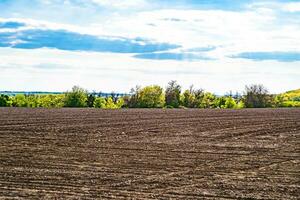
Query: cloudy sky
113	45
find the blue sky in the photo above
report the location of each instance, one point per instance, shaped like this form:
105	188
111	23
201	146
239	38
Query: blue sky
109	45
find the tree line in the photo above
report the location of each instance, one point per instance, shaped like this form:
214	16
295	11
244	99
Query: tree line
154	96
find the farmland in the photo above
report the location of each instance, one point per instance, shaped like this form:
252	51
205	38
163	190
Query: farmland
149	153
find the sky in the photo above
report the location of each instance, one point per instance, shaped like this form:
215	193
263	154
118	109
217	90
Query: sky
114	45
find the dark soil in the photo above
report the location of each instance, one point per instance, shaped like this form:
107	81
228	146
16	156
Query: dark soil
148	153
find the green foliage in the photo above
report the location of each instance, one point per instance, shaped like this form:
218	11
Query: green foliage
293	95
99	102
76	98
51	101
172	94
151	97
290	104
230	103
32	101
296	98
207	100
240	105
288	99
120	103
188	99
220	102
108	103
192	98
19	101
5	101
256	96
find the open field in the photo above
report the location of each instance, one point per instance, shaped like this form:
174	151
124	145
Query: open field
179	154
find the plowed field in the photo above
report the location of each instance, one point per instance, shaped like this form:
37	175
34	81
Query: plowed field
149	154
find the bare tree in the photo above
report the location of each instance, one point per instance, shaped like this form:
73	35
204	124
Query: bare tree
257	96
172	96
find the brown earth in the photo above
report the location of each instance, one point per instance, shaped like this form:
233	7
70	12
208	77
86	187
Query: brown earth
145	154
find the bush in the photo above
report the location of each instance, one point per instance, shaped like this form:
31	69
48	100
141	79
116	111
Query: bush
220	102
108	103
19	101
192	98
51	100
99	102
5	101
240	105
208	100
290	104
230	103
188	98
151	97
76	98
32	101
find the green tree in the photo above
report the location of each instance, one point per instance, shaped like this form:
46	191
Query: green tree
19	101
120	103
172	94
100	102
220	102
192	98
110	104
240	105
208	100
151	97
230	102
76	98
5	101
188	99
32	101
51	100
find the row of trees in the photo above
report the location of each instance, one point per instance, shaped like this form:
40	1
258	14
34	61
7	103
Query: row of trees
173	97
255	96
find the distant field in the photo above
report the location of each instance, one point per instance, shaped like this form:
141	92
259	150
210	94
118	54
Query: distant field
149	153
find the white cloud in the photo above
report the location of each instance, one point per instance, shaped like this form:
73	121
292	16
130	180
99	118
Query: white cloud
35	69
292	7
121	4
234	31
260	28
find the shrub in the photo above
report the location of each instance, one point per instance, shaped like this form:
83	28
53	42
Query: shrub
76	98
51	100
230	103
151	97
5	101
208	100
19	101
99	102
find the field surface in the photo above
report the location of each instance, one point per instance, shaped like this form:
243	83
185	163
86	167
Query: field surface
149	154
